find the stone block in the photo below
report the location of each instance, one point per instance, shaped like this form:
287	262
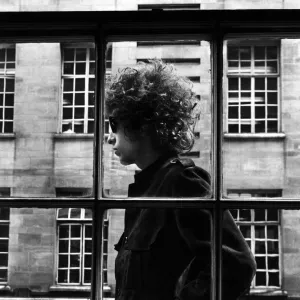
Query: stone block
41	279
41	259
19	259
18	279
30	240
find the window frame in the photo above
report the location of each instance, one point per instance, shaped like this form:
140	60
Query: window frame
41	26
83	222
253	223
252	76
11	76
86	76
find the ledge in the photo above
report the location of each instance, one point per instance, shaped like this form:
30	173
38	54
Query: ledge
7	136
254	136
67	288
74	136
76	288
267	292
5	288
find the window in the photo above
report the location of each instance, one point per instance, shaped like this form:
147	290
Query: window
7	88
78	86
4	237
4	240
73	223
261	229
108	63
74	246
253	88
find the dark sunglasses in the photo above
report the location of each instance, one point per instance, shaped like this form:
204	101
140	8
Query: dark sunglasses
113	124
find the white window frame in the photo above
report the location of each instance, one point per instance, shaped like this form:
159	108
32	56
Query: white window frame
87	77
82	222
252	240
3	239
7	74
250	73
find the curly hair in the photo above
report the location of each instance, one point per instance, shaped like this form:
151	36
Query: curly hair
153	95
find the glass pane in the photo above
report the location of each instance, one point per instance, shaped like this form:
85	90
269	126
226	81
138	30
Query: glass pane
9	100
179	59
259	83
63	261
80	68
245	52
261	262
260	112
233	84
259	52
233	112
75	213
75	231
2	55
260	232
4	230
68	84
69	54
245	112
273	262
40	243
46	154
74	261
80	84
264	156
245	83
68	68
81	54
261	279
1	85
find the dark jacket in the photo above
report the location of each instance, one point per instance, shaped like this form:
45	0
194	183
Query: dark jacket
158	245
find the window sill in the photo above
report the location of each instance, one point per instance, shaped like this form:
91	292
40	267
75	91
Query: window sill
7	136
5	288
80	288
74	136
267	292
67	288
254	136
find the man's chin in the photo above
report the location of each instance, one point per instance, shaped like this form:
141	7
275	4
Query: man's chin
125	163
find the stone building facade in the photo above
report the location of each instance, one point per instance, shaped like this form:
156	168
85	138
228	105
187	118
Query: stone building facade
46	147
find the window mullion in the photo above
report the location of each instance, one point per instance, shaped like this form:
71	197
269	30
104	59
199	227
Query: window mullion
86	90
82	242
98	212
217	113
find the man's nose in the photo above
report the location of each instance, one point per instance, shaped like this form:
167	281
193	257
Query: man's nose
111	138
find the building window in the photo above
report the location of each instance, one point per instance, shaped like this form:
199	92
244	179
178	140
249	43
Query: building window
78	85
253	88
74	246
261	229
108	70
4	236
4	240
105	250
74	233
7	88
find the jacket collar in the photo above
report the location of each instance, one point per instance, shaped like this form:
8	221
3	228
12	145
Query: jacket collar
147	174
